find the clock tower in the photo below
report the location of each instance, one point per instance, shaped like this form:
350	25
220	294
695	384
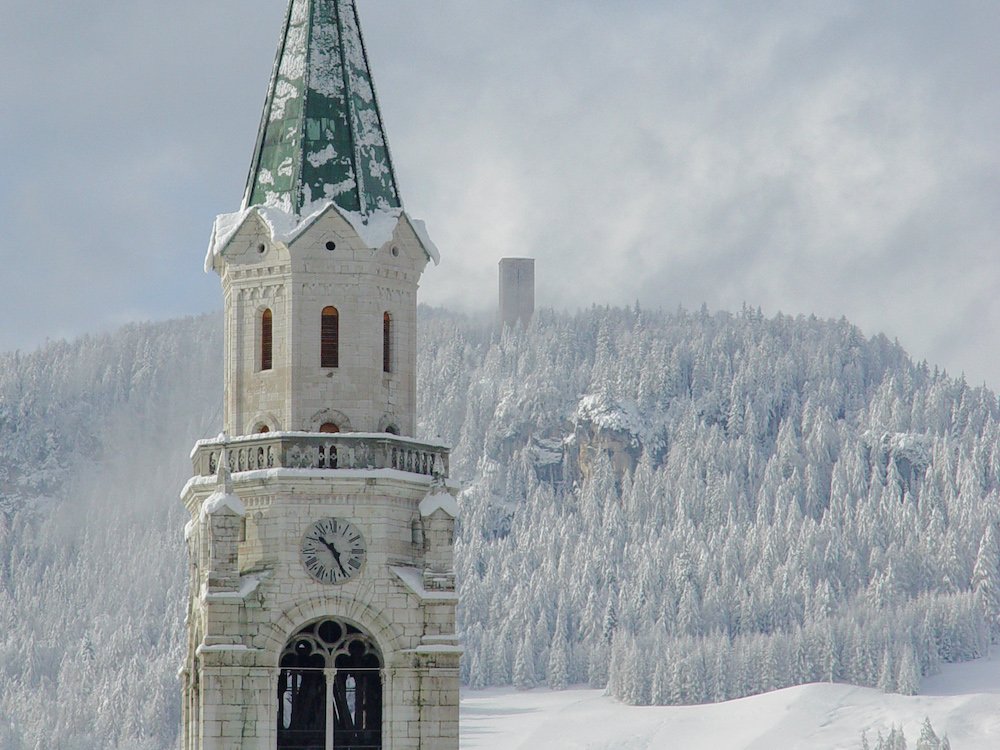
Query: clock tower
322	591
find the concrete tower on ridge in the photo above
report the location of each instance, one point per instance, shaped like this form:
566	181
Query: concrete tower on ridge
322	588
517	291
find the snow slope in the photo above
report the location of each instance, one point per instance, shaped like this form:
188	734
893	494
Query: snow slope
962	702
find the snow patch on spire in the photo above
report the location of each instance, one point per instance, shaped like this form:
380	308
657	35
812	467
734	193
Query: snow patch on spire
319	158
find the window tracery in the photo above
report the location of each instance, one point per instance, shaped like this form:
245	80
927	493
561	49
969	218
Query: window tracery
330	689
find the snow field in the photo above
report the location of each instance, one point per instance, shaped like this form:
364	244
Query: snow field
962	702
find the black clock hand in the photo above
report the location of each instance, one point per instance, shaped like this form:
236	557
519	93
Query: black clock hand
336	555
325	543
329	546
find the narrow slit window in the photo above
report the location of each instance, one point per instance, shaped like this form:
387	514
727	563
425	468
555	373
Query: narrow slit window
386	342
266	340
330	338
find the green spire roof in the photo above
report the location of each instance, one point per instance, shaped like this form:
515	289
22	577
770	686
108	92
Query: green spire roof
321	136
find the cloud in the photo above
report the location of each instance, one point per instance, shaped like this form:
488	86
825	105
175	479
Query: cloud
805	157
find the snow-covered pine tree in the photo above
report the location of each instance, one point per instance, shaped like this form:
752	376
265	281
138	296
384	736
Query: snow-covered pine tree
558	670
986	579
524	664
928	739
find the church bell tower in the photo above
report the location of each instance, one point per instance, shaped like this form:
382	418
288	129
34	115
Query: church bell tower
322	590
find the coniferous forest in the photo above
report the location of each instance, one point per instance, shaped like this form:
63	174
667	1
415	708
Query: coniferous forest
684	506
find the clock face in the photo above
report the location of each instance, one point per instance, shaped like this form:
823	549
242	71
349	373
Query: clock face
333	550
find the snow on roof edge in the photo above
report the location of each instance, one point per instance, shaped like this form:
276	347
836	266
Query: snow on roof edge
219	501
420	229
375	229
439	499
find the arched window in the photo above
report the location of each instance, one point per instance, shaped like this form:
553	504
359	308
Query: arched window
392	429
262	428
266	340
329	427
386	342
330	672
329	338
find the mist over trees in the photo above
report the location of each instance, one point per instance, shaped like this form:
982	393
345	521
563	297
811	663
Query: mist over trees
683	506
94	437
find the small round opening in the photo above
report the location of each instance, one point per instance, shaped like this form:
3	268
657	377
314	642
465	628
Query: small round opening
263	428
331	246
395	251
329	427
261	248
392	429
330	631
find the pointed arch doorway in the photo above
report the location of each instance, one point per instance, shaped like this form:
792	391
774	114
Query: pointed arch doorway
330	690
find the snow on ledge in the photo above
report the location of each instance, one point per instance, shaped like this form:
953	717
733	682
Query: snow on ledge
223	439
442	640
324	474
223	647
282	471
413	579
248	585
435	649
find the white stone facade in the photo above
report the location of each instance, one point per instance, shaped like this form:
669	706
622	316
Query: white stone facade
250	592
296	281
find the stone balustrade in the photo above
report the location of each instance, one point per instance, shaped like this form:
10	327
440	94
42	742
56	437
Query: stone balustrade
333	452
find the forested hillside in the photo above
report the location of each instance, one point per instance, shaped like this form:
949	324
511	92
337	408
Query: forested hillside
687	506
695	507
94	442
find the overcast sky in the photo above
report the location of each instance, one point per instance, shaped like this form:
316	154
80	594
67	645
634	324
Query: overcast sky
837	158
